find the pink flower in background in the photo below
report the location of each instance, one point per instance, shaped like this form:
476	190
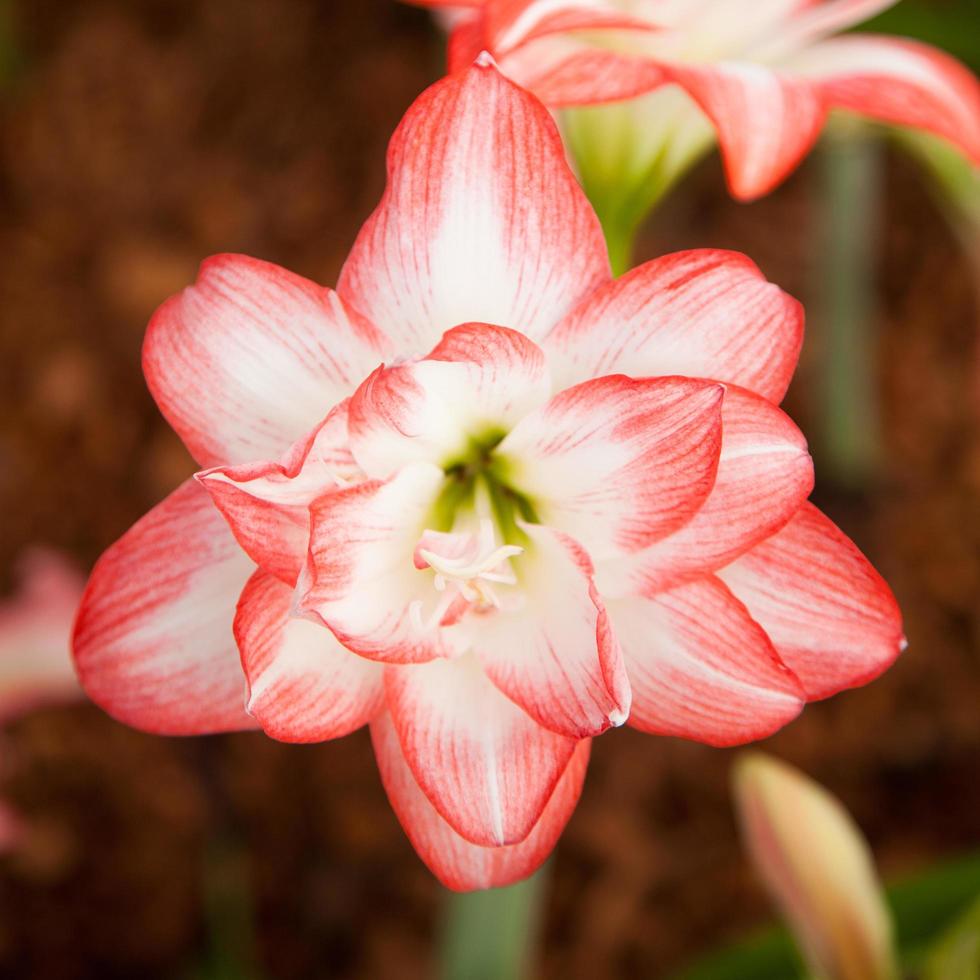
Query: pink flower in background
763	75
35	634
483	498
35	637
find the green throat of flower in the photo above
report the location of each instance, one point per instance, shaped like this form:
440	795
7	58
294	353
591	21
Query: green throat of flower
479	470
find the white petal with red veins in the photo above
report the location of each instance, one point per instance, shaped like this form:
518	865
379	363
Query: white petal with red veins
479	379
765	475
153	640
360	577
618	463
457	863
898	81
249	359
705	313
482	219
554	654
831	616
303	686
487	767
701	668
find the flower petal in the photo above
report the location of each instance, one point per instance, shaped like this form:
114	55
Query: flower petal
479	379
250	358
153	641
267	504
303	685
831	616
701	668
765	475
898	81
360	578
766	121
457	863
485	765
482	219
705	313
618	463
555	656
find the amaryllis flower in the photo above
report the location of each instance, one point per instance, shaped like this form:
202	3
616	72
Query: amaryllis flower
482	498
760	77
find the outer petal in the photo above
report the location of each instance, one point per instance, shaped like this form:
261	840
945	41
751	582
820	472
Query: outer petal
479	379
765	475
555	656
482	219
303	685
618	463
360	578
153	641
705	313
35	635
250	358
899	81
831	616
267	504
457	863
766	121
486	766
701	668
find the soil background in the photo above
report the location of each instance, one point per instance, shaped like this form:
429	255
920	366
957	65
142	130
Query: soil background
138	137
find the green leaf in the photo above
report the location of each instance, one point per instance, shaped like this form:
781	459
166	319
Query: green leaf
957	957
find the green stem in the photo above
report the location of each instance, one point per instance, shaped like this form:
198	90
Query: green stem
490	935
844	307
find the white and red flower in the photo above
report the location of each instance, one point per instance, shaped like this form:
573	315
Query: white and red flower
482	498
759	76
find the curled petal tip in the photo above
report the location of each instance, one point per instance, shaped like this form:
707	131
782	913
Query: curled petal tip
485	60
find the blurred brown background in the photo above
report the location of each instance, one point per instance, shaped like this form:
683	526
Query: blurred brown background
138	137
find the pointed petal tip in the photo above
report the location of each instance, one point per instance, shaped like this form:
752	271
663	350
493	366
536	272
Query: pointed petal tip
486	60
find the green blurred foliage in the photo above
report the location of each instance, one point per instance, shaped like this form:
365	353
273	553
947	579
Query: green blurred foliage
923	908
957	957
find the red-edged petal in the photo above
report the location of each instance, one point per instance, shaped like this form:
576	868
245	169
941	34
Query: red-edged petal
153	641
485	765
267	504
765	475
898	81
831	616
360	577
618	463
481	220
35	634
555	655
766	121
701	668
251	357
566	71
705	313
303	685
457	863
479	380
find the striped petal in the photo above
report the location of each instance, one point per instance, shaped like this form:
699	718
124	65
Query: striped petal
831	616
455	861
153	641
481	220
249	359
701	668
303	686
